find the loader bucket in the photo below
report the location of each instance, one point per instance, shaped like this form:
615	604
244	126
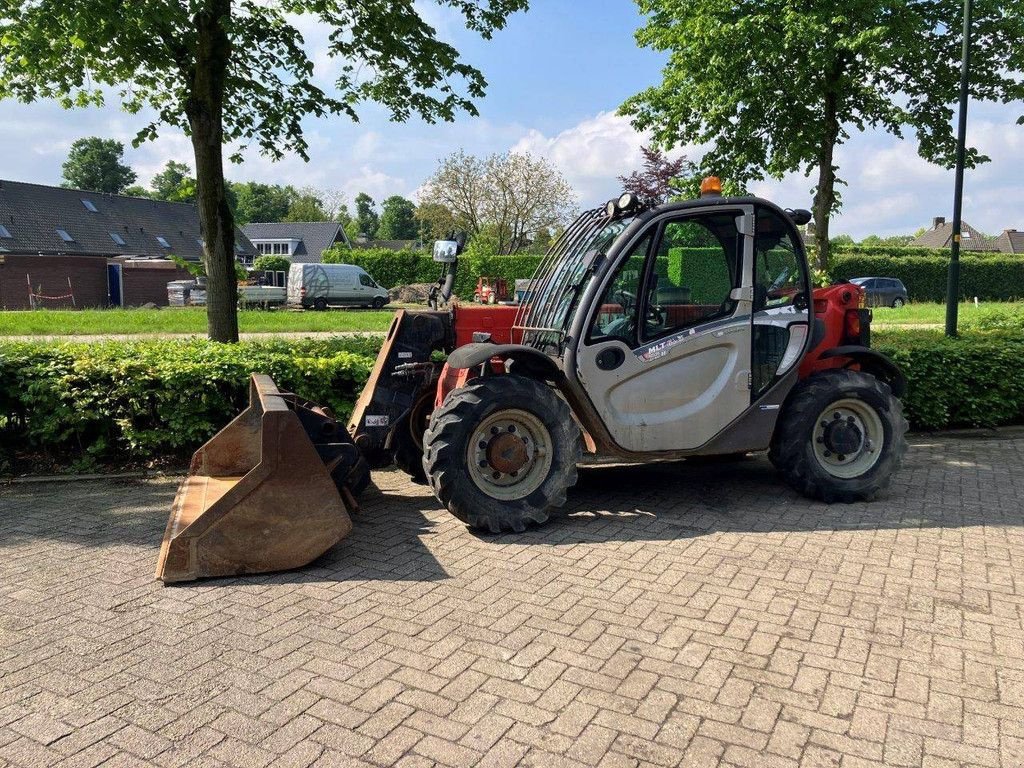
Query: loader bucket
260	495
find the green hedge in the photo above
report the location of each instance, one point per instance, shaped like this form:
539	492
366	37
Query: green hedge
904	251
990	278
394	268
130	402
972	381
150	399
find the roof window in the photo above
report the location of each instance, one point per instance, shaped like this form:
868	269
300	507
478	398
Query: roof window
116	238
67	238
5	232
163	241
89	205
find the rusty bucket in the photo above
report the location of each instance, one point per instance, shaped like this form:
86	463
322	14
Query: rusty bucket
260	495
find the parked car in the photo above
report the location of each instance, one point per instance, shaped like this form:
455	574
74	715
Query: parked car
320	285
883	291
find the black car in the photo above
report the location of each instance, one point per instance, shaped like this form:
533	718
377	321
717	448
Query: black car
883	291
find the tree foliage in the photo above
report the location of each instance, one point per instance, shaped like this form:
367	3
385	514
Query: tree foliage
95	164
658	180
306	205
175	183
512	196
776	85
397	219
367	218
237	72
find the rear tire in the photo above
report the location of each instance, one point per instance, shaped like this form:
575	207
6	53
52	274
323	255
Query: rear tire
897	303
841	437
501	452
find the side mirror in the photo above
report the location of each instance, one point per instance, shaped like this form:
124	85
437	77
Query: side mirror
446	251
799	216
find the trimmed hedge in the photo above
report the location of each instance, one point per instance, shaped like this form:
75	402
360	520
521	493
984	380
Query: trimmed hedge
971	381
151	399
904	251
138	401
998	278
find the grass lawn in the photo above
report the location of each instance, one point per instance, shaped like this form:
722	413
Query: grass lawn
184	320
935	314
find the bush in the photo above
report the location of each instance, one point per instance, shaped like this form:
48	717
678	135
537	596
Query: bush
269	263
154	399
971	381
994	278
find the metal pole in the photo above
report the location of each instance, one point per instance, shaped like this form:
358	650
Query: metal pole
953	284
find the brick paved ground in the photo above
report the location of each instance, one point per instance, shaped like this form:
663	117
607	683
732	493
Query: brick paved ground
704	616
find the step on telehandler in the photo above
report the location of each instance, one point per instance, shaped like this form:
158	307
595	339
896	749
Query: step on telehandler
687	329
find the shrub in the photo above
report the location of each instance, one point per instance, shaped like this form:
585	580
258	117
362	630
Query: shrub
971	381
995	278
268	263
151	399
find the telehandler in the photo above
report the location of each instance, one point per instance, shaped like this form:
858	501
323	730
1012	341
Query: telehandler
687	329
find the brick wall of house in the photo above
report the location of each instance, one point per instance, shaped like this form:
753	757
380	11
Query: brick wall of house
49	276
146	281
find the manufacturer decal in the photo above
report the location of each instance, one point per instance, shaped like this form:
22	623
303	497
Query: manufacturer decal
404	355
376	421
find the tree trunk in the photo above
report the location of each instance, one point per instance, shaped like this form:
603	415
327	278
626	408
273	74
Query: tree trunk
825	193
204	109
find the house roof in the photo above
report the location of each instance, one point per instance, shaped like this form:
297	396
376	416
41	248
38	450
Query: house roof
1011	241
35	215
939	236
314	237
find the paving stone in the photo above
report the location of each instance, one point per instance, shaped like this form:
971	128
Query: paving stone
672	614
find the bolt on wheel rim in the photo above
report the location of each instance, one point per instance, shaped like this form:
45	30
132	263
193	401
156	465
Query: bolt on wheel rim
848	438
509	454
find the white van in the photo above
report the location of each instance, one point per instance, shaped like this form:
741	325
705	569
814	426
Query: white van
320	285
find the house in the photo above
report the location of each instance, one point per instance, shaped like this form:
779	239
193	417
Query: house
93	249
1011	241
942	231
301	241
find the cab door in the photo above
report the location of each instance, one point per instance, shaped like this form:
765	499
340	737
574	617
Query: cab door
666	357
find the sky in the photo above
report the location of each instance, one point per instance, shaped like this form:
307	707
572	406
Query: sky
556	76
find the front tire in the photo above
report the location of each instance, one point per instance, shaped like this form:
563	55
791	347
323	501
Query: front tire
320	304
407	440
841	436
501	452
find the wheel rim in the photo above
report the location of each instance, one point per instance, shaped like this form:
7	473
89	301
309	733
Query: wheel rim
509	454
848	438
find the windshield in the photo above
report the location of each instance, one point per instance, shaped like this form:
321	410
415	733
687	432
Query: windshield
562	275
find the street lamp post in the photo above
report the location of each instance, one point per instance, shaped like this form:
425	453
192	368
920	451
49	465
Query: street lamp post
953	283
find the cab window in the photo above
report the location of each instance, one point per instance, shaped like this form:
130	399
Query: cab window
778	277
697	264
364	279
616	315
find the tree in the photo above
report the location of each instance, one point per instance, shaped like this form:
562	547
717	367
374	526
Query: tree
658	181
268	263
777	85
434	222
513	194
261	202
236	72
397	219
367	219
305	205
95	164
174	183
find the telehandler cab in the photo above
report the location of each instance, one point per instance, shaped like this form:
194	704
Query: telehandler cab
649	333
